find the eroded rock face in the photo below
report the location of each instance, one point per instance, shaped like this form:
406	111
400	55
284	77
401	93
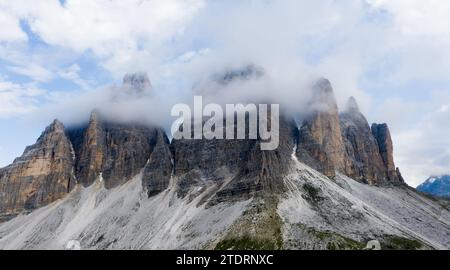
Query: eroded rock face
137	84
117	151
320	143
361	147
89	145
159	168
204	162
43	174
263	171
246	168
383	136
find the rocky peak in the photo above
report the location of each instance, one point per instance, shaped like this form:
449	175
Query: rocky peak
361	147
323	97
383	136
139	81
245	73
352	106
437	186
353	114
320	143
135	85
117	151
43	174
159	167
94	118
89	143
57	126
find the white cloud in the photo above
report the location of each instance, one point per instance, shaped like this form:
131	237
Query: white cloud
10	30
17	99
120	33
33	71
419	18
424	150
72	74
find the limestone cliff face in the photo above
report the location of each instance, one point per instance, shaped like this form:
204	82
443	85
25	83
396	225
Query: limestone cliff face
159	168
60	159
239	167
89	145
262	172
361	147
207	162
116	151
320	143
383	136
43	174
330	142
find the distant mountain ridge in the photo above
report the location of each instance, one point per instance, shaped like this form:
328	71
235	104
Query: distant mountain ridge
437	186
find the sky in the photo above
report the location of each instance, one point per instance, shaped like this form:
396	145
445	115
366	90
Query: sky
392	55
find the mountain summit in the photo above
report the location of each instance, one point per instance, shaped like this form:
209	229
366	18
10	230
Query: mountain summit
138	81
134	86
438	186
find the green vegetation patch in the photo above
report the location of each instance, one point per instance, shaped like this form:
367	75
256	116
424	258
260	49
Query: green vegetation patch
328	240
260	228
248	243
396	242
313	193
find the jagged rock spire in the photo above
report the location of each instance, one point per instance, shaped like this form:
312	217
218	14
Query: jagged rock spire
320	142
90	154
117	151
361	147
352	105
382	134
323	97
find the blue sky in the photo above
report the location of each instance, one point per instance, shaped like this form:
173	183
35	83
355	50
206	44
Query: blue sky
393	56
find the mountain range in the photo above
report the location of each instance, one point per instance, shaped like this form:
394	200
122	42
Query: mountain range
438	186
331	184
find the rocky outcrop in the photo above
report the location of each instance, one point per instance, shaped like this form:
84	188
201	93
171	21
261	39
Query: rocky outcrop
262	172
239	167
330	142
116	151
89	145
159	168
61	158
383	136
361	147
136	84
43	174
204	162
246	73
320	143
